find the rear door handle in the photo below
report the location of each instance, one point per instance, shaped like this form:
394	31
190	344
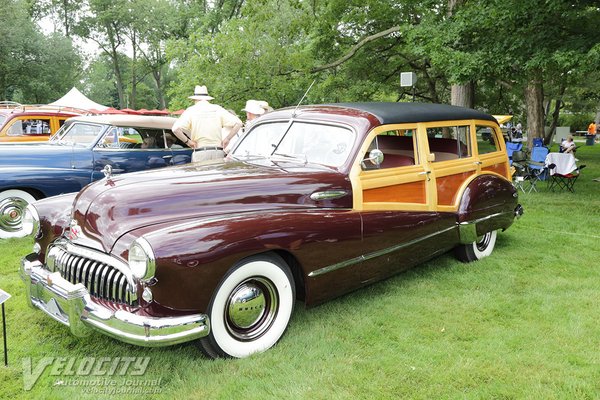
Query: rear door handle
426	173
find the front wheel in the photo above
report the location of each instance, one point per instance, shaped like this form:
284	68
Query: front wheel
250	309
13	203
482	247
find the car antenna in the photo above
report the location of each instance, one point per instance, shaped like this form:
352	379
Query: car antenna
305	93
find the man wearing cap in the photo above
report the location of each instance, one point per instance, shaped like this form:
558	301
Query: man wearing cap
253	110
205	122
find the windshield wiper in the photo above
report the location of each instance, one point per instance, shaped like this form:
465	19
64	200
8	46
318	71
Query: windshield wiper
301	157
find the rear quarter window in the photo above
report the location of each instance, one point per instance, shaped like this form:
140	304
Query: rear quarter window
487	140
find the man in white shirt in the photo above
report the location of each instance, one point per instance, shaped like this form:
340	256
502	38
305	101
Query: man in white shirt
205	122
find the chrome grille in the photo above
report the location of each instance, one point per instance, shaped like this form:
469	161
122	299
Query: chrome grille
101	280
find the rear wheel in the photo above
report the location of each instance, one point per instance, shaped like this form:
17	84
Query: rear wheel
251	308
482	247
13	203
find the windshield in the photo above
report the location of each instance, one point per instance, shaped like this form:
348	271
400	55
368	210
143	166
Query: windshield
77	133
2	119
308	142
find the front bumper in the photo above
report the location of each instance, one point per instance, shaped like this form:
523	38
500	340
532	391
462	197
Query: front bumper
71	305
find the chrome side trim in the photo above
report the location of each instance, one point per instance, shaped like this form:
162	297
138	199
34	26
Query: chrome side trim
374	254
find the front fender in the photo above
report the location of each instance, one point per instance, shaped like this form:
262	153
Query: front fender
193	257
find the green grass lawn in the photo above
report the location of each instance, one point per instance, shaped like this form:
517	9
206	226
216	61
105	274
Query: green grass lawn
522	323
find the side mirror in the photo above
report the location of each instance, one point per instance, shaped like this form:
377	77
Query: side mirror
375	158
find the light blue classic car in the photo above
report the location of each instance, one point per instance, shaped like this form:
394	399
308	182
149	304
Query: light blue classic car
77	155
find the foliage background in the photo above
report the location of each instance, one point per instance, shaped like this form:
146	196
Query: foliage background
151	53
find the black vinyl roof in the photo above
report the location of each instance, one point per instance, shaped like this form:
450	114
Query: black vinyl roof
397	113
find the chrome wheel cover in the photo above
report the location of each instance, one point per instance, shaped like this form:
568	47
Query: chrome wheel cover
484	241
251	308
12	210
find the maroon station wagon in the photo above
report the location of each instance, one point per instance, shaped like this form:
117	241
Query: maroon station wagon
313	202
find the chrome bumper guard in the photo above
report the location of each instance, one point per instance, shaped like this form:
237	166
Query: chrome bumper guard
71	305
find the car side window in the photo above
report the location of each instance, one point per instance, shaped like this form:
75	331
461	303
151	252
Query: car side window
133	138
29	127
487	141
449	142
397	146
173	142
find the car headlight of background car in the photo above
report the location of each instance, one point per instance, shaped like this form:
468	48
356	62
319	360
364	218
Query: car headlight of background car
141	259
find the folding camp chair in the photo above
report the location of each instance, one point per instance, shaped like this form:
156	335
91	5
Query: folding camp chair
511	148
519	162
536	166
563	171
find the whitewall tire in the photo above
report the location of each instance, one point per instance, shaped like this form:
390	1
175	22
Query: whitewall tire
13	203
482	247
251	308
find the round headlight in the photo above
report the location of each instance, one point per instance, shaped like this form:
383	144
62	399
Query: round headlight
31	221
141	259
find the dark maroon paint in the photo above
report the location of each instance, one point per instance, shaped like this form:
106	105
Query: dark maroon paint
202	220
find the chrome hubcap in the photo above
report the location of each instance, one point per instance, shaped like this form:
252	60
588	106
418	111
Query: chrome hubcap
251	308
484	241
11	214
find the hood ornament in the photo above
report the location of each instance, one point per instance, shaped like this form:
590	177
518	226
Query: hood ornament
107	171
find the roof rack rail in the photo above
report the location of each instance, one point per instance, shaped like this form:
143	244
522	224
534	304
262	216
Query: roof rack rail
42	107
10	104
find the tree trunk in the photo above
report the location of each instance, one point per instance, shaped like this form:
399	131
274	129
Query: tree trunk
556	114
66	17
463	95
534	101
159	90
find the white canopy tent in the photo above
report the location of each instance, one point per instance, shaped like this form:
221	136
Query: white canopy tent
75	99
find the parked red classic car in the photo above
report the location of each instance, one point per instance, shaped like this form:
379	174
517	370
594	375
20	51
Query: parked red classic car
312	203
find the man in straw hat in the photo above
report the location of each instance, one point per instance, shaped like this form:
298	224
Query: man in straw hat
205	122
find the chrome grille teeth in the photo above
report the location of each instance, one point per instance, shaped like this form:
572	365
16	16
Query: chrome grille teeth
101	280
84	273
97	277
61	261
79	269
122	287
68	268
108	285
92	274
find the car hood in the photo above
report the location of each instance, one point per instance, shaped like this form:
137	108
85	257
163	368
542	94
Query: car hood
36	155
110	208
